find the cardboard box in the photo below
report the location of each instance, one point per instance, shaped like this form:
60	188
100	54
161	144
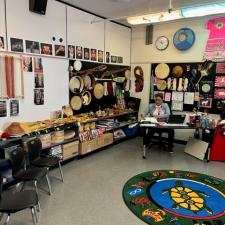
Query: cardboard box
70	149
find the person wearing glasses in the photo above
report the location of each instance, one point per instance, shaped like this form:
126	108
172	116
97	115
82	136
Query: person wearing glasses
161	112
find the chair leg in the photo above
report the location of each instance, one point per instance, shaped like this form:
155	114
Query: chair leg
35	213
60	169
36	190
7	220
23	186
33	216
49	185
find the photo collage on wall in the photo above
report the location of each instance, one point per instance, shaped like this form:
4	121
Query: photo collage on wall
186	86
38	81
58	50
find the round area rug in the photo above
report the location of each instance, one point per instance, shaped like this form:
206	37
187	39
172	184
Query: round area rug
176	197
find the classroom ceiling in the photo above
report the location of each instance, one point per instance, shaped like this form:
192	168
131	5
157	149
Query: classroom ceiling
118	10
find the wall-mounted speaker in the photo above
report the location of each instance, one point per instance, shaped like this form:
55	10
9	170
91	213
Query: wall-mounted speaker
38	6
149	34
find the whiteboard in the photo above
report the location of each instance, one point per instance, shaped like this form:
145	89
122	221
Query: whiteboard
81	32
118	41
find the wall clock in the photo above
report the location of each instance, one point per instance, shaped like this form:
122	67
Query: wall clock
162	43
184	38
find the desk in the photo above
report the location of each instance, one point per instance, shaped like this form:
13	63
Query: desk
147	126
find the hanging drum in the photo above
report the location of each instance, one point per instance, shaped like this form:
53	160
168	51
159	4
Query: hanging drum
98	91
86	97
76	103
177	71
76	84
89	81
162	71
161	85
77	65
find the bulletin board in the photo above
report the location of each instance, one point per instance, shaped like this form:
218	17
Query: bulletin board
186	86
111	77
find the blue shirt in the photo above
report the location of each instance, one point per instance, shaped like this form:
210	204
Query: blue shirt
152	107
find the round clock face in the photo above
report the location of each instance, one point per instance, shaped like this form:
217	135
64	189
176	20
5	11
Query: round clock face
162	43
206	88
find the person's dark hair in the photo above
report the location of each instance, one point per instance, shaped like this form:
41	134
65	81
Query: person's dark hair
222	114
160	95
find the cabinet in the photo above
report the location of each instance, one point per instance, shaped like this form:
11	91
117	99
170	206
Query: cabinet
36	27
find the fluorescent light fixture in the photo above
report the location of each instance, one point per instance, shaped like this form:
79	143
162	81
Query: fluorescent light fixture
155	18
203	10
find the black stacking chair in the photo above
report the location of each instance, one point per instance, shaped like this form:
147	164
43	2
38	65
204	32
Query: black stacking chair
36	159
23	173
12	202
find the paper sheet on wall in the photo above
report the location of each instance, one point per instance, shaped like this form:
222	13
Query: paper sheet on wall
167	97
177	96
177	105
189	98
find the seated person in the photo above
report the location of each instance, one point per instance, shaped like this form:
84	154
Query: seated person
161	112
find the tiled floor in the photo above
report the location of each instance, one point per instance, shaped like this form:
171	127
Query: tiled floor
92	190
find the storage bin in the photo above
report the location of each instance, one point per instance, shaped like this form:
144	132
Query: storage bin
57	137
70	149
130	132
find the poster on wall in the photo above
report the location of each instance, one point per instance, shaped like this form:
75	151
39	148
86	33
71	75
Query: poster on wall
60	50
79	52
86	53
100	56
38	67
39	80
93	54
2	45
14	107
3	109
39	96
27	64
46	49
220	81
107	57
16	44
177	105
205	102
71	52
32	47
220	67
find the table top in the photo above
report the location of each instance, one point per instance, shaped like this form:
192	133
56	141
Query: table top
167	126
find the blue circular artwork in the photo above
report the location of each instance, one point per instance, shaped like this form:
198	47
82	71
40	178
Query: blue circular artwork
188	198
184	39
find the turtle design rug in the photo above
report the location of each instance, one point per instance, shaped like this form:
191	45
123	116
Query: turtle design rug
176	197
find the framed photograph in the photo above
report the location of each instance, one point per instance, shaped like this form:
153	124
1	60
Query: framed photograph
113	59
39	80
16	44
39	96
14	107
27	64
86	53
93	54
60	50
46	49
100	56
71	52
79	52
107	57
120	59
32	47
205	102
3	109
38	67
2	45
